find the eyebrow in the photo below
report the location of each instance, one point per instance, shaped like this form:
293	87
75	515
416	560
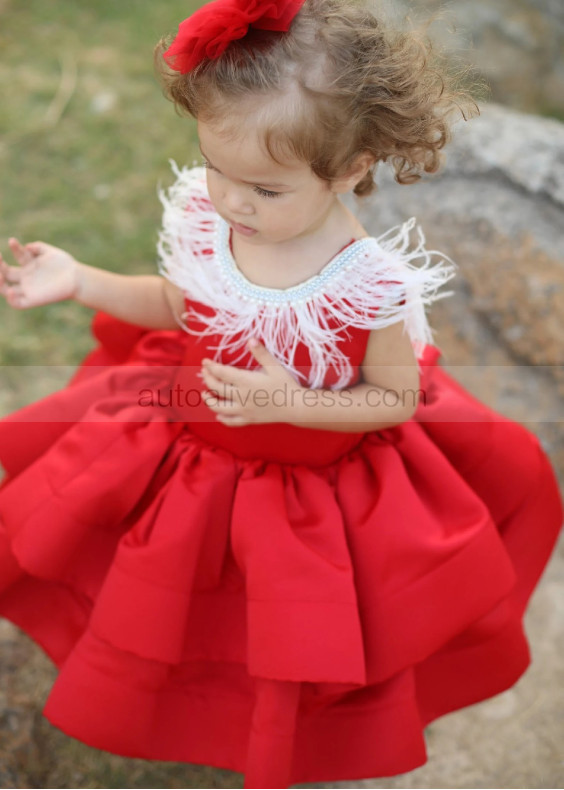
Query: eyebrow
250	183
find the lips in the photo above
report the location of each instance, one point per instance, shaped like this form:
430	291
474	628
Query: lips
244	229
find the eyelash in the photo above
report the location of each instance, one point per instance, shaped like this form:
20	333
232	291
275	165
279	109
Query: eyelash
266	193
262	192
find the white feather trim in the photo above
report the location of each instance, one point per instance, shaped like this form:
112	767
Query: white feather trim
372	284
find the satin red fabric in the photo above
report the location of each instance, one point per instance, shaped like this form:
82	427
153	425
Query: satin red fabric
291	603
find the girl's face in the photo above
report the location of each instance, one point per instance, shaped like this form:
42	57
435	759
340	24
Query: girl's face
263	201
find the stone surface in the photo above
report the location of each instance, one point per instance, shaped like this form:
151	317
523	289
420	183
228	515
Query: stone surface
497	210
517	46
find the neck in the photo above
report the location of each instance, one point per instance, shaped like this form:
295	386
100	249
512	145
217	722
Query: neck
335	228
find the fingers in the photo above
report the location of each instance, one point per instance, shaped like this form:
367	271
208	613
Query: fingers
10	284
226	374
9	274
232	422
219	390
37	248
222	398
14	296
23	254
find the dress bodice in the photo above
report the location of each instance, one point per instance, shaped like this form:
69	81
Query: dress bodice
278	442
370	284
317	329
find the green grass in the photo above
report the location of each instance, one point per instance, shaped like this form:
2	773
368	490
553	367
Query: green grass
84	179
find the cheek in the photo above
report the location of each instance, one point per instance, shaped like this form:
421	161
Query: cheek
283	210
211	187
293	215
280	216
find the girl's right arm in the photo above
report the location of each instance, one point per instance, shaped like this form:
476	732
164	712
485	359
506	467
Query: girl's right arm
47	274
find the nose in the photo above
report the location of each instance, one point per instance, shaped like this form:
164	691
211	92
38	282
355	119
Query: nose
236	200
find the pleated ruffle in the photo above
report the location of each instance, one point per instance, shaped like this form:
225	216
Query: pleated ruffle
242	612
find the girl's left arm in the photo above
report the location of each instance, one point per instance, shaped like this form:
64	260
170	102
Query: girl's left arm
387	395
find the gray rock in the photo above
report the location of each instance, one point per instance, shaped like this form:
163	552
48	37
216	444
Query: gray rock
517	46
497	209
525	150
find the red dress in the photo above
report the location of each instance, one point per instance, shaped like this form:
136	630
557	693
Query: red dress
291	603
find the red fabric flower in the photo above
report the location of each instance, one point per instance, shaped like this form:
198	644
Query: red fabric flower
210	30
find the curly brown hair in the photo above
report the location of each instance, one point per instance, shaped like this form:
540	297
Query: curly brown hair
339	84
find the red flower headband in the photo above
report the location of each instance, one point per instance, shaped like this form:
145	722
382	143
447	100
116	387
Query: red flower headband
210	30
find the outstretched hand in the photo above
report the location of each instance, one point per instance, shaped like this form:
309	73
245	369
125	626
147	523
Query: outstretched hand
241	397
44	274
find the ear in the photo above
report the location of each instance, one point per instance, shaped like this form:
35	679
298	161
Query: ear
359	168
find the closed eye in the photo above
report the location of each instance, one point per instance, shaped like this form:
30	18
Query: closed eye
266	192
259	190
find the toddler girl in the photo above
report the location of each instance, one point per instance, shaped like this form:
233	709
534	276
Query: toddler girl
261	529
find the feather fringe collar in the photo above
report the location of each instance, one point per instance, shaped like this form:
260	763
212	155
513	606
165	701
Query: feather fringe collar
372	284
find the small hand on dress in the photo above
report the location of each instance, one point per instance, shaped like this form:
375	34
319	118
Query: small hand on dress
242	397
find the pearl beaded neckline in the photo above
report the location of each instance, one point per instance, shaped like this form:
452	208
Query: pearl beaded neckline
343	260
371	284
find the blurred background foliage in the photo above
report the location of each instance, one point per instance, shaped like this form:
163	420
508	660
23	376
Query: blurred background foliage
85	139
